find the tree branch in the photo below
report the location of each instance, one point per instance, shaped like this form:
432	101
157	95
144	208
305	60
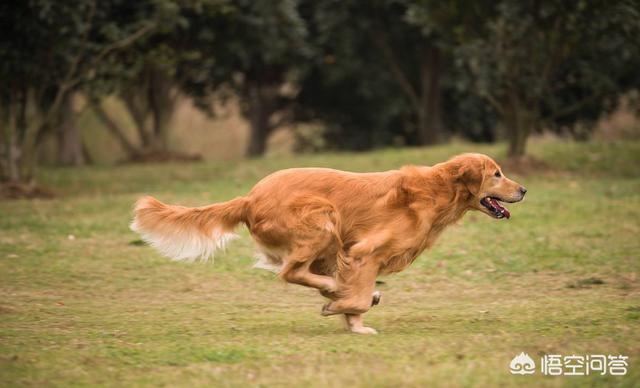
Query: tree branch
122	43
493	101
574	107
67	82
390	57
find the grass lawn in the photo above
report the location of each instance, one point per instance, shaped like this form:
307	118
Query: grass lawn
82	303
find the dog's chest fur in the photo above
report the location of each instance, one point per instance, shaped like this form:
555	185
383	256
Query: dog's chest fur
398	244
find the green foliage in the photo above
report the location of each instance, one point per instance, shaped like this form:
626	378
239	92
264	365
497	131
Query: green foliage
49	40
252	49
388	72
49	51
228	42
347	85
157	49
374	76
542	64
528	64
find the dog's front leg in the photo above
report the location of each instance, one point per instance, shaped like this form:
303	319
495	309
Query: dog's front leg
375	297
355	324
355	295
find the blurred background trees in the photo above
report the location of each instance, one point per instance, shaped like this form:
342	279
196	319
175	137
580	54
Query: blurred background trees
553	64
50	52
361	75
251	49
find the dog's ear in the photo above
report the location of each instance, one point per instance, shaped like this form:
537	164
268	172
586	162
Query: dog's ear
472	176
469	171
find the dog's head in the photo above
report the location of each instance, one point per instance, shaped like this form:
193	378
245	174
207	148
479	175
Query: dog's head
483	178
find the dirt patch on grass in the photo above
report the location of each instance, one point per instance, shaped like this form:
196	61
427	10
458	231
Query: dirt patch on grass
586	283
6	310
16	190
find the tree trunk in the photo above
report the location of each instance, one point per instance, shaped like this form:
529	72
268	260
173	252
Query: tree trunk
258	114
257	140
517	145
11	153
518	121
70	147
429	112
425	98
162	101
18	140
133	101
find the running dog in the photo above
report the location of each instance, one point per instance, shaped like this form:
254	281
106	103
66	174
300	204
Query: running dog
333	230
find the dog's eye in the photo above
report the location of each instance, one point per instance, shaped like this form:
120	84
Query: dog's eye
497	174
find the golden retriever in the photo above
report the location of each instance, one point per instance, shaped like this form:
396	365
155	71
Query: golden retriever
334	230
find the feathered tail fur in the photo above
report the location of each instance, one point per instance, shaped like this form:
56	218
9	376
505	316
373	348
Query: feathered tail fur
183	233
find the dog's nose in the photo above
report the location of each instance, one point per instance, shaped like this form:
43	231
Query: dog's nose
523	190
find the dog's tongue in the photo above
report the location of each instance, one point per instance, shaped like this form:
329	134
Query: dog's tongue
500	208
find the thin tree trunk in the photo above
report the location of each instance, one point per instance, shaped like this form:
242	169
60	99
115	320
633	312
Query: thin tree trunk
4	149
115	130
425	98
518	122
69	138
259	115
430	114
162	101
138	113
86	153
11	143
31	126
258	139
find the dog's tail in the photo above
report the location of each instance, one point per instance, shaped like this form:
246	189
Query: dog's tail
183	233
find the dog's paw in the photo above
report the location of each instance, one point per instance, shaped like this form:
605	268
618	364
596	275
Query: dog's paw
329	294
375	298
326	310
364	330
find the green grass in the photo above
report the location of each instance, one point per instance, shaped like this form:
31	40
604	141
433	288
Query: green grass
81	303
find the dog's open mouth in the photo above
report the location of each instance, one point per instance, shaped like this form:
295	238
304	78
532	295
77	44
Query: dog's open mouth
495	207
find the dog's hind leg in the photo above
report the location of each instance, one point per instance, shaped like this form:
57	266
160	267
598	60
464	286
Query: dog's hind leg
297	271
313	236
307	233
